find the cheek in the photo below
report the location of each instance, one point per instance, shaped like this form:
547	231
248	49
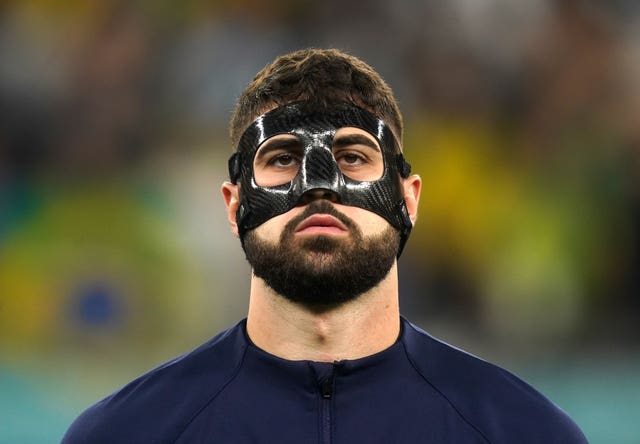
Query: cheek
271	229
268	231
369	223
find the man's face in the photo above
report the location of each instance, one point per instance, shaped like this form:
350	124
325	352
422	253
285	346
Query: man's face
321	210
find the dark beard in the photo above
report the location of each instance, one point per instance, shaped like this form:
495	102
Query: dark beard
322	272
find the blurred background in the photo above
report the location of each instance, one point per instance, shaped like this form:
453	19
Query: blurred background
523	119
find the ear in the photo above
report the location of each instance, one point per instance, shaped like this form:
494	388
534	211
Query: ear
412	186
231	201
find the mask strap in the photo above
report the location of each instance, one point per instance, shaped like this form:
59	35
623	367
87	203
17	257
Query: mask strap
404	168
234	167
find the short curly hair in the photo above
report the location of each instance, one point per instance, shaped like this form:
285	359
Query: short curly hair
326	76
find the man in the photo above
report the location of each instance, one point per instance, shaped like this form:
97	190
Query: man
323	201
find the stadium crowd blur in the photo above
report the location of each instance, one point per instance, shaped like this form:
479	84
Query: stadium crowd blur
523	119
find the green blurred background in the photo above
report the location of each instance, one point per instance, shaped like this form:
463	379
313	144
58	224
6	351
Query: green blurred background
523	118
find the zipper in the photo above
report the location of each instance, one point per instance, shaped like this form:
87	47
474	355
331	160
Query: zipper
326	406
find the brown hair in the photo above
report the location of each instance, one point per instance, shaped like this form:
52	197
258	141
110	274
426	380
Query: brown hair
327	76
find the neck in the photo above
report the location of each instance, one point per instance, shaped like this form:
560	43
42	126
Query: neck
358	328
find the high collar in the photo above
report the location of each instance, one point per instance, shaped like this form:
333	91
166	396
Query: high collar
313	372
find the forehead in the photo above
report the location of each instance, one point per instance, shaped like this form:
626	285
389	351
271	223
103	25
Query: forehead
312	120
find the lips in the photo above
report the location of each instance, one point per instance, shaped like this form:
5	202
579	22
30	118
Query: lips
321	224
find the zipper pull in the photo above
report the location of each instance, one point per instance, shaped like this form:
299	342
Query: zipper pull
327	388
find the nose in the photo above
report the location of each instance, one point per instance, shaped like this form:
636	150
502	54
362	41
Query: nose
319	176
319	193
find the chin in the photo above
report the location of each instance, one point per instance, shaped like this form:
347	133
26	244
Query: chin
321	244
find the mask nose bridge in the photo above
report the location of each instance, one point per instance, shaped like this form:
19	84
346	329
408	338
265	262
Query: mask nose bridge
319	169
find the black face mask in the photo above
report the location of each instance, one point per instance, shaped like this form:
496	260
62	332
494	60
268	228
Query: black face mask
315	126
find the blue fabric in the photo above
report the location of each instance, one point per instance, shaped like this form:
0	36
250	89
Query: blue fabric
420	390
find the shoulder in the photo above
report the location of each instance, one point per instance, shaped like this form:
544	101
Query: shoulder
160	404
498	404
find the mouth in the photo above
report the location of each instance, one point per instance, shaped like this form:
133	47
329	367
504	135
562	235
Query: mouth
321	224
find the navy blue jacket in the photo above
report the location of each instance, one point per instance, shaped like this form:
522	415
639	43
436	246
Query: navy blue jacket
419	390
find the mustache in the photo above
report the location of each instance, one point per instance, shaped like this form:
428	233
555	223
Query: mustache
319	207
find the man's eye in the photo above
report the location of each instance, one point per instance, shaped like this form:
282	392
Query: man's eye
283	160
351	159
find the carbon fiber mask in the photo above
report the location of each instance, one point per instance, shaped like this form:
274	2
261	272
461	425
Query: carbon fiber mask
315	126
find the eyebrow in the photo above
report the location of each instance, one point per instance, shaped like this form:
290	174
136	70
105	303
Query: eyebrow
277	144
355	139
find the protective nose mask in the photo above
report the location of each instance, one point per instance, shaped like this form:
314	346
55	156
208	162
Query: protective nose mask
301	148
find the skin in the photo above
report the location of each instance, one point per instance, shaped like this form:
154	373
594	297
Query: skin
295	332
357	153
